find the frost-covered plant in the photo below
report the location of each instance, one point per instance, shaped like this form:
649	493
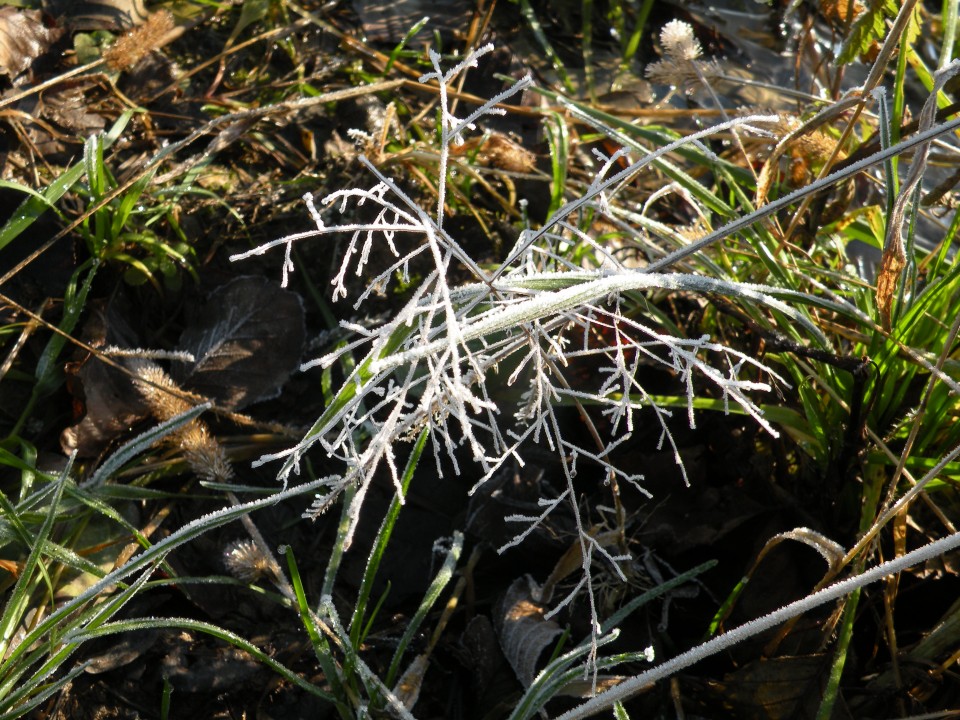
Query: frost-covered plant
535	315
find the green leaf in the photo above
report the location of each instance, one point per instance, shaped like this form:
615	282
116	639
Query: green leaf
869	27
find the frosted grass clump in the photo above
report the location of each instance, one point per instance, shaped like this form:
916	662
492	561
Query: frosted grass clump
427	366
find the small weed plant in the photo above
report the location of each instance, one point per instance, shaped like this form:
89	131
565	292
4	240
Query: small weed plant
533	319
534	316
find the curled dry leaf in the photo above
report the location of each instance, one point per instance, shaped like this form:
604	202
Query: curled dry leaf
499	151
409	685
23	38
62	118
104	397
831	551
892	263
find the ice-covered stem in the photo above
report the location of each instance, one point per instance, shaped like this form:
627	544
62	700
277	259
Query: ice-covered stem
451	127
585	289
730	638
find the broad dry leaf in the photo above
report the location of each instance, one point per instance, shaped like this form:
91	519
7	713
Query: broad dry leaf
23	38
776	688
389	21
104	397
246	340
99	14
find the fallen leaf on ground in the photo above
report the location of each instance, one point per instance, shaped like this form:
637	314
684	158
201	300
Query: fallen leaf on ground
23	38
247	340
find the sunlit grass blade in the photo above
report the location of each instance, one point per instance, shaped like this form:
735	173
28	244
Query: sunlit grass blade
358	623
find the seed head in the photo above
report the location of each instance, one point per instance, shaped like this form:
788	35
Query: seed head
679	42
246	561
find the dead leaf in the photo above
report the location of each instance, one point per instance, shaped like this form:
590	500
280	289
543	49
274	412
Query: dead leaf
104	397
99	14
499	151
831	551
516	492
523	632
894	258
57	121
775	688
246	340
572	560
409	685
23	38
69	108
124	649
389	21
110	406
477	651
892	263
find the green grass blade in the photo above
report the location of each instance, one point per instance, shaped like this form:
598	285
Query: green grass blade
18	598
357	622
430	597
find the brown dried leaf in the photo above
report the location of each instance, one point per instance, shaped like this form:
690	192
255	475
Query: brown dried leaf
892	263
408	686
69	107
497	150
112	406
389	21
572	561
105	396
832	552
125	649
56	121
23	38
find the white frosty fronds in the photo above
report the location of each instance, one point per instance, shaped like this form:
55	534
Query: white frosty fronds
535	318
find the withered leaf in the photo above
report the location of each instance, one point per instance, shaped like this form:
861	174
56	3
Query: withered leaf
777	688
69	107
67	116
112	405
108	398
99	14
23	38
888	276
523	632
246	340
389	22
